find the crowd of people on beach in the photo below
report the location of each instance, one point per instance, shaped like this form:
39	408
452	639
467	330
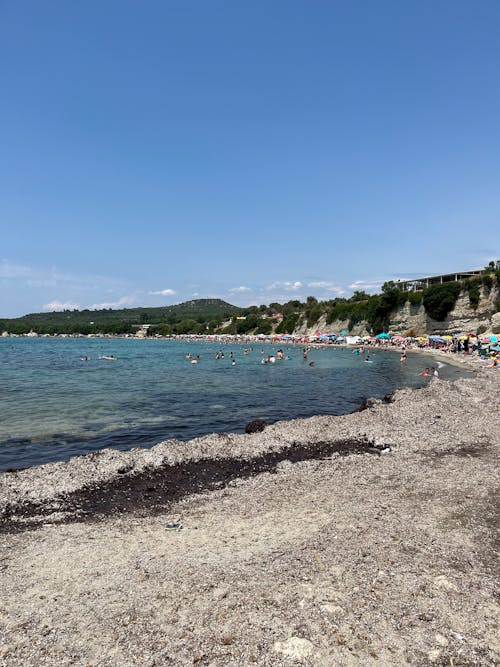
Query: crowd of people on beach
482	349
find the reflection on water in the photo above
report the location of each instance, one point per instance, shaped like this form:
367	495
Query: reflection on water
54	405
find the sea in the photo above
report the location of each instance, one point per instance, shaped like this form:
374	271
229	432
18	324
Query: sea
54	405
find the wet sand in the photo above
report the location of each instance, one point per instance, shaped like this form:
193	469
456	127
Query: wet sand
364	539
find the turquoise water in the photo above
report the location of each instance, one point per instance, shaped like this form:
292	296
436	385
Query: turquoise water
54	405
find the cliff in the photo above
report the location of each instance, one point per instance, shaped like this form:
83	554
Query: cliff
413	318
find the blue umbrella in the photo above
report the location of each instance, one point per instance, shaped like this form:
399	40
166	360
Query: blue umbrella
383	335
344	333
496	348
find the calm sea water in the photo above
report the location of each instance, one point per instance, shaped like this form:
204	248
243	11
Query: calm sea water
54	405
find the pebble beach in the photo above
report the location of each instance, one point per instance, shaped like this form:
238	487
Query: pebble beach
364	539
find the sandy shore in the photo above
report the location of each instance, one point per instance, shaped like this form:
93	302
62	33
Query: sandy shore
365	539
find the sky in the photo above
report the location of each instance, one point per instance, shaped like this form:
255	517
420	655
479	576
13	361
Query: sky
161	151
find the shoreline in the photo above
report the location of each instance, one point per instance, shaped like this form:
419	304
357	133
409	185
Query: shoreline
375	545
26	458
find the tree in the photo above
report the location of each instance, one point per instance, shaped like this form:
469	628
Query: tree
360	295
440	299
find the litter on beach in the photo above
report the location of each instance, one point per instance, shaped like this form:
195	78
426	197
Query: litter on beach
175	525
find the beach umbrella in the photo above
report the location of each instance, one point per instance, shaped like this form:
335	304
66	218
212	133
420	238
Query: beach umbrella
496	348
344	332
383	335
493	339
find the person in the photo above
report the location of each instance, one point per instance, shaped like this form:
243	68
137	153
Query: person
311	363
435	372
233	362
85	358
425	372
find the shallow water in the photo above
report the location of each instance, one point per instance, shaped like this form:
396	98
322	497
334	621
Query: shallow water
54	405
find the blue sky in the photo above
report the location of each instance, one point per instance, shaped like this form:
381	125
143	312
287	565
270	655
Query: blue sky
155	152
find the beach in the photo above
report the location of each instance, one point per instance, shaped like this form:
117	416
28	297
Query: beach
363	539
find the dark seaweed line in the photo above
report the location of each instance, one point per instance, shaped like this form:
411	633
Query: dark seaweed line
153	490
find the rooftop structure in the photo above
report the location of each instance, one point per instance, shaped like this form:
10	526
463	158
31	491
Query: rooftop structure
417	284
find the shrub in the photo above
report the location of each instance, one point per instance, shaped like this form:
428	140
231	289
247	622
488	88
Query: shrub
265	327
287	326
487	280
313	315
439	300
473	287
415	298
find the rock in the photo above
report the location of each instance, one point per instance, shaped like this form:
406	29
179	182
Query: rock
255	426
295	647
495	323
434	655
446	584
333	609
441	639
219	593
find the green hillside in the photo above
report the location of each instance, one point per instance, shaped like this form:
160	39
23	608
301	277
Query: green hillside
184	317
203	316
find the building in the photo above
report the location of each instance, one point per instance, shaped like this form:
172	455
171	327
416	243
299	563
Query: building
417	284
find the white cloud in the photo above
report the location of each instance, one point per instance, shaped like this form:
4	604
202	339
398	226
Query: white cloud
122	302
329	287
367	285
10	270
240	290
61	305
44	276
287	285
164	292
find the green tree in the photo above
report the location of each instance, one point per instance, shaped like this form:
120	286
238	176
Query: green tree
439	300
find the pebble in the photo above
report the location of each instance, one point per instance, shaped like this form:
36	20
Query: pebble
441	639
295	647
446	584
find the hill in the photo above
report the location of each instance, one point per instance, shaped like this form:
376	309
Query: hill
192	315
